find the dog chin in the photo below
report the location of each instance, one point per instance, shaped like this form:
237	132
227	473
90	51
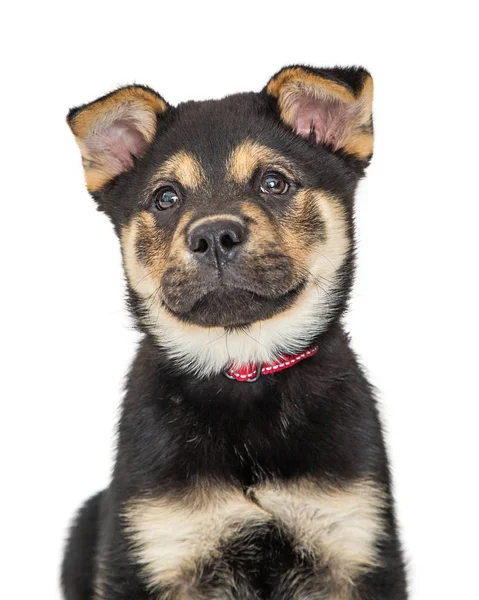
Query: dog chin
235	308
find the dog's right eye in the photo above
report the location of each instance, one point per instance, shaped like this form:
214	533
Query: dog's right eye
274	183
166	197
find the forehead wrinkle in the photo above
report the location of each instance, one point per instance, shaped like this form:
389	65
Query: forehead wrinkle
249	155
183	167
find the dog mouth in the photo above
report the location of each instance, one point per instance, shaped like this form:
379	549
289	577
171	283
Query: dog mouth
235	307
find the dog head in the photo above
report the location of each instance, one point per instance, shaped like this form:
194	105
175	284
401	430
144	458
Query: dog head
234	215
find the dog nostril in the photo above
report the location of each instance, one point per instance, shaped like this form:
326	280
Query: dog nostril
201	246
227	241
216	240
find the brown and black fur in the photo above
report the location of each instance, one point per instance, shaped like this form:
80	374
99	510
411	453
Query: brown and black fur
221	489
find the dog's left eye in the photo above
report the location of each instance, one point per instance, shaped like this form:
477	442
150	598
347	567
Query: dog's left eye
274	183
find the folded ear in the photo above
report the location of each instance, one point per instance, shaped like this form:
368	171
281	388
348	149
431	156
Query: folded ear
114	130
331	106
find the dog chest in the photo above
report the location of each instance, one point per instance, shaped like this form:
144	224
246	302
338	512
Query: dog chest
336	528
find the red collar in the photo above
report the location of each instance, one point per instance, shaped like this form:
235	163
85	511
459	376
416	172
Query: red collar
252	372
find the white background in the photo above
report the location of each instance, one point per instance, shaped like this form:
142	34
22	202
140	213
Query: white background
66	339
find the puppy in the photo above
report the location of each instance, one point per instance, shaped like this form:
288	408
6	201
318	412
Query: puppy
250	461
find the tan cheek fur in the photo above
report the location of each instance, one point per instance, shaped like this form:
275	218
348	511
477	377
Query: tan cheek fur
329	254
138	274
320	260
291	231
145	276
262	237
178	250
338	528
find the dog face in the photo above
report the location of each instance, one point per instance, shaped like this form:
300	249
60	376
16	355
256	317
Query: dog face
234	215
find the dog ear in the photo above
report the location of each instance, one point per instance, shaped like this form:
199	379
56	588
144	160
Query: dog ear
115	130
331	106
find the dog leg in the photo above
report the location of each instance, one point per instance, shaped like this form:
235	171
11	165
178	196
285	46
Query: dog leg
78	566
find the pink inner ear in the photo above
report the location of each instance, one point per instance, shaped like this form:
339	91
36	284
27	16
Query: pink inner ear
327	117
118	143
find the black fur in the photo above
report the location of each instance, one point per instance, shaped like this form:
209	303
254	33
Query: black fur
79	562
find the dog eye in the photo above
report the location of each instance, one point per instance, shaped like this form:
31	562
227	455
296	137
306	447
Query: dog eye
274	183
166	197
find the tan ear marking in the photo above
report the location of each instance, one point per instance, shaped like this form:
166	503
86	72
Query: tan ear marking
339	116
299	76
105	108
113	130
361	145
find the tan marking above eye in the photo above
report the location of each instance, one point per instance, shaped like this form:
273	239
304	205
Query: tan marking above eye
248	156
183	167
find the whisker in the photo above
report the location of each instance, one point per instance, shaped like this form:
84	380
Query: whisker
255	340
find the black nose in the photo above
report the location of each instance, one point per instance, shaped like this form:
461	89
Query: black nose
216	241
